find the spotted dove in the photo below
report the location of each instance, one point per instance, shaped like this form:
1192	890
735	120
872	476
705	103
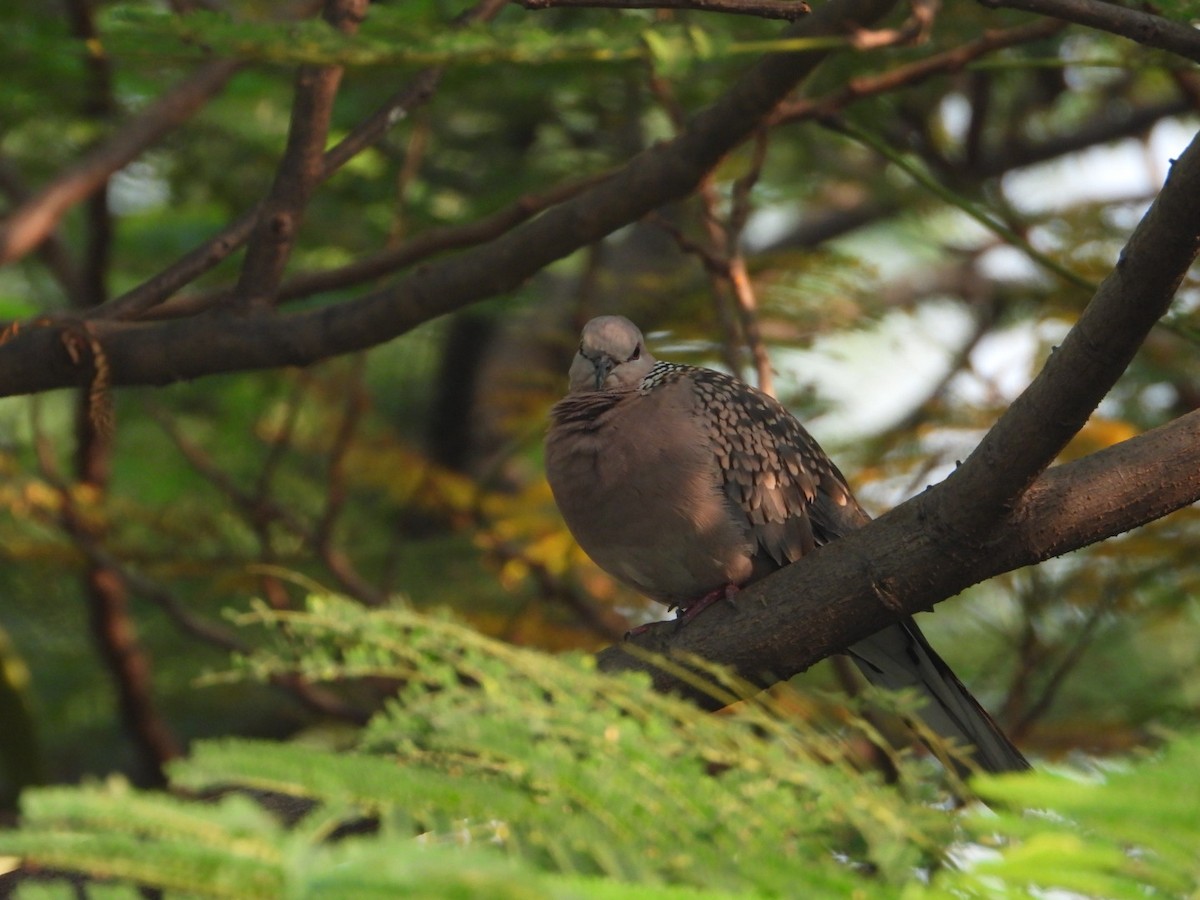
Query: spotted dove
683	482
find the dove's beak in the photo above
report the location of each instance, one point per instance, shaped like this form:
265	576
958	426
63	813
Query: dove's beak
602	366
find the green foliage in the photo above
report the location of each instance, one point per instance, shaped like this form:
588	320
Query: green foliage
1119	830
504	772
393	38
1095	655
581	765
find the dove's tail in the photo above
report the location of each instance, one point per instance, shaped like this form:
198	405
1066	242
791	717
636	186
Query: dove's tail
899	657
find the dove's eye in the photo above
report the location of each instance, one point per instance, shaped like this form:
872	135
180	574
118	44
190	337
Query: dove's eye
637	352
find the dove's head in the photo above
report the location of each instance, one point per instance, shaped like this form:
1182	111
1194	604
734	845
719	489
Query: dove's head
612	356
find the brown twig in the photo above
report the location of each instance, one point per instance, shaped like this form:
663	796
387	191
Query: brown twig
722	256
914	30
53	250
195	263
106	593
300	169
368	268
741	288
112	623
261	510
944	63
1142	27
335	560
789	10
1082	640
30	223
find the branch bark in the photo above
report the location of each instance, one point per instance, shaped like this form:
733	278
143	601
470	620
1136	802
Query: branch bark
1145	28
763	9
840	594
1135	295
159	353
1000	510
31	222
300	170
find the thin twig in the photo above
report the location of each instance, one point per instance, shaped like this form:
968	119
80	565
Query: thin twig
335	560
113	625
1142	27
203	258
368	268
260	510
944	63
914	30
722	255
923	178
300	170
741	288
1053	685
789	10
30	223
53	250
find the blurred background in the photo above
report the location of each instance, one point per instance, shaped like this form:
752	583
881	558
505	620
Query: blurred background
893	258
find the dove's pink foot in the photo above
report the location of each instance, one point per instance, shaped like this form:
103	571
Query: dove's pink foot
691	610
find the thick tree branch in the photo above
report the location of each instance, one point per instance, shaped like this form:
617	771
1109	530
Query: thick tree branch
195	263
897	565
159	353
994	514
31	222
1134	296
1145	28
204	257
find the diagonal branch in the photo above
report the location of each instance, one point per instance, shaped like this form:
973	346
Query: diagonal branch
763	9
1047	414
300	170
385	262
1001	509
31	222
944	63
199	260
838	595
158	353
1143	27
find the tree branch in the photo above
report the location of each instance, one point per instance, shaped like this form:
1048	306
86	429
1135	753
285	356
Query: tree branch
159	353
300	170
763	9
1048	413
195	263
1145	28
947	62
385	262
840	594
994	514
31	222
